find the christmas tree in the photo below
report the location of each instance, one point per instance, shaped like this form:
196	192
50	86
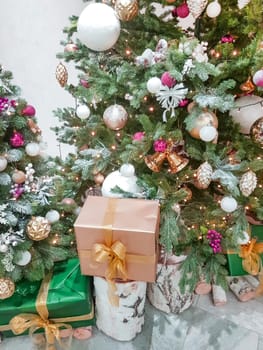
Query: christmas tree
169	107
32	236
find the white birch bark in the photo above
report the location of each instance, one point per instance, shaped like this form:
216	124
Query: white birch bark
164	294
125	321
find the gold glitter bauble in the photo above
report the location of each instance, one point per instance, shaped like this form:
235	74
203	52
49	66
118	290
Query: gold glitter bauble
98	179
19	177
38	228
204	119
7	288
256	131
126	10
61	74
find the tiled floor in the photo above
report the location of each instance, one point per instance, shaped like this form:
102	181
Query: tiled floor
235	326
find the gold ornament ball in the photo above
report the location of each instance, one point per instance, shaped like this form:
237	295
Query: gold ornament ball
115	117
19	177
98	178
126	10
38	228
204	119
7	288
256	132
68	201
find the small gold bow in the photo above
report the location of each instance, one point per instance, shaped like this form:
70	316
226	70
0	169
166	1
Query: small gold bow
251	260
22	322
114	255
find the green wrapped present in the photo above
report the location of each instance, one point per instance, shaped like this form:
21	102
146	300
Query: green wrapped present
250	258
62	300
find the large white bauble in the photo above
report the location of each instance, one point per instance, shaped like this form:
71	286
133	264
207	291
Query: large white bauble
32	149
25	258
153	85
3	248
248	110
3	163
83	112
213	9
228	204
52	216
208	133
98	27
124	178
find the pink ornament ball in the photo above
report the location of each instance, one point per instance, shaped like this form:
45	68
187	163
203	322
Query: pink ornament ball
138	136
258	78
84	83
168	80
160	145
29	111
183	10
17	139
183	103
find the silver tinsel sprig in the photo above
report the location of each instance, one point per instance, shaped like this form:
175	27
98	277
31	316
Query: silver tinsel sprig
12	237
7	261
3	214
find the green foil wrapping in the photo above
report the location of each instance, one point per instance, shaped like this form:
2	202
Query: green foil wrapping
69	296
234	262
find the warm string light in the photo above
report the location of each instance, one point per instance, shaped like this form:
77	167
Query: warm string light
93	133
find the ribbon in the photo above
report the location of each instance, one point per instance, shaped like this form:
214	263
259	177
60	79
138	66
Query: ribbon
251	260
32	322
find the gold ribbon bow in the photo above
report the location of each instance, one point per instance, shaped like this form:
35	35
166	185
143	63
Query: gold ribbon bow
22	322
114	255
251	260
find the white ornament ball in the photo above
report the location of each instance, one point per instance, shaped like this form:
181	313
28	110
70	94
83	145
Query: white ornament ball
3	163
24	259
228	204
33	149
213	9
115	117
83	112
245	239
126	180
52	216
153	85
248	110
98	27
208	133
3	248
258	78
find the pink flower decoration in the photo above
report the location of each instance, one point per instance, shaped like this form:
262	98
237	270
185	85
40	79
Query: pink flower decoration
168	80
138	136
228	38
184	102
160	145
17	139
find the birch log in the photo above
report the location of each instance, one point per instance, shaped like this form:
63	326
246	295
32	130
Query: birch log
125	321
164	293
242	289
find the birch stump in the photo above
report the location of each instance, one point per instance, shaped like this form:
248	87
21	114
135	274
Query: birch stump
125	321
164	294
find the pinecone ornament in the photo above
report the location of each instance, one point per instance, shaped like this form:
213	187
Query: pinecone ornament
196	7
204	175
61	74
248	183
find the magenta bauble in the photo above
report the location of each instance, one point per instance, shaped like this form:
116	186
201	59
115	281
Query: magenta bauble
183	10
168	80
258	78
29	111
84	83
138	136
17	139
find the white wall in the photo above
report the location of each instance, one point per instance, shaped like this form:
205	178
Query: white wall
30	35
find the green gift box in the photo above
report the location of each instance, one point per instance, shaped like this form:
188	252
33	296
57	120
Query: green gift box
68	298
234	261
